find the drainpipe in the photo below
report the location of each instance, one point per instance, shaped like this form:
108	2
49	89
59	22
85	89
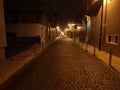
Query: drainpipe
101	25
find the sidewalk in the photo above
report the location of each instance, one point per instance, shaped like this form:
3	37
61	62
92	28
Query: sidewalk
102	55
14	65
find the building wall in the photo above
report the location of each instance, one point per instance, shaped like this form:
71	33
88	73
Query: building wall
2	32
113	25
95	29
24	30
109	27
44	20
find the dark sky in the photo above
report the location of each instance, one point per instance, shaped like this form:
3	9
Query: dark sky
67	10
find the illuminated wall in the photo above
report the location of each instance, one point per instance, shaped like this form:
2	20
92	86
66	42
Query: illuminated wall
2	32
113	25
95	29
110	26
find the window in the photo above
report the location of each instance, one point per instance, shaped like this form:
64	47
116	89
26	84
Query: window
112	39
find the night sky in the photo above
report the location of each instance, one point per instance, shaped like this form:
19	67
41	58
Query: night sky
67	10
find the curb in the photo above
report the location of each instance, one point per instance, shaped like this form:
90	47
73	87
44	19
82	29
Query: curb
19	72
13	77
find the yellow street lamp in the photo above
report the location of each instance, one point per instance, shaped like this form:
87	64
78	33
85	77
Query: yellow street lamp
78	27
58	27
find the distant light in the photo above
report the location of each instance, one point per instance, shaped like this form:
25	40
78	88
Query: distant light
73	24
78	28
62	33
57	38
58	27
69	24
66	29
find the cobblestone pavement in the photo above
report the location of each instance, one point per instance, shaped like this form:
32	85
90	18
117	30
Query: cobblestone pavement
65	66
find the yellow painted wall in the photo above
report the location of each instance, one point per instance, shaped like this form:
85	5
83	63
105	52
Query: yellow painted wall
112	26
95	29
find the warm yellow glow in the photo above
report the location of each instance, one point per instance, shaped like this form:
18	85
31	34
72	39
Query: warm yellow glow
62	33
71	24
78	28
66	29
58	27
107	1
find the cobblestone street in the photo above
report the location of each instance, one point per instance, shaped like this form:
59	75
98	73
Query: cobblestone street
65	66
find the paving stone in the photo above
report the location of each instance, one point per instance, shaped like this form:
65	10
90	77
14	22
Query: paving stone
66	66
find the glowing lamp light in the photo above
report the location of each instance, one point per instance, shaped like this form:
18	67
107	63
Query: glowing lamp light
66	29
58	27
78	28
62	33
73	24
69	24
105	0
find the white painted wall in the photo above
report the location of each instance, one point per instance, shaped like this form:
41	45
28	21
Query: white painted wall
24	30
2	32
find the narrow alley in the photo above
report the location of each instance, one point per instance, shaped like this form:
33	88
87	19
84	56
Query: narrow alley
66	66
